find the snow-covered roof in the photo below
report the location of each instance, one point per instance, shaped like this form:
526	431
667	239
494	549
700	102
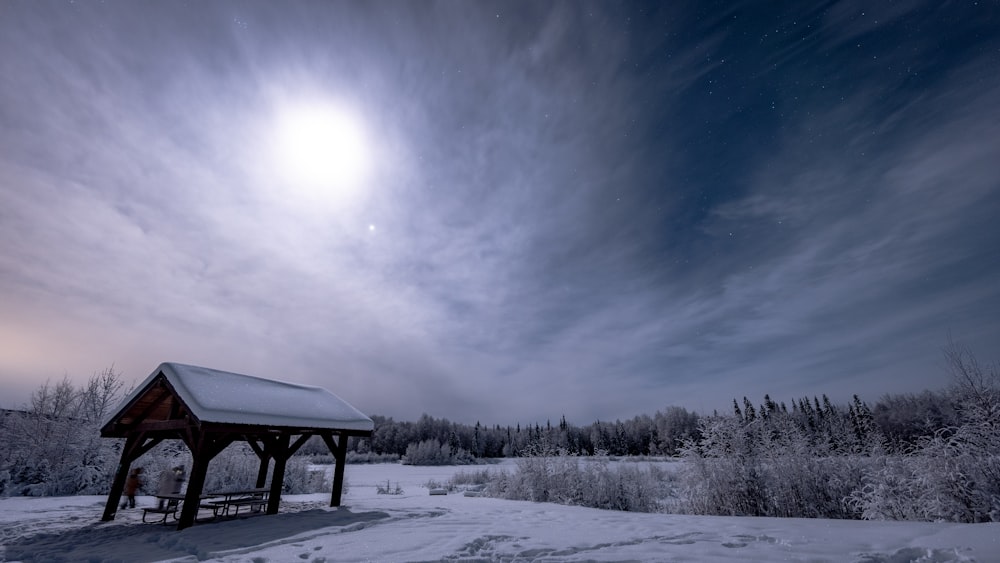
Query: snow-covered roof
231	398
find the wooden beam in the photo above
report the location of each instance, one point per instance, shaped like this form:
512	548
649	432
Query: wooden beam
141	445
298	444
118	484
221	443
261	450
328	440
162	425
257	430
257	448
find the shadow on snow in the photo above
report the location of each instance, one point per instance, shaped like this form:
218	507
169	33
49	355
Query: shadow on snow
154	542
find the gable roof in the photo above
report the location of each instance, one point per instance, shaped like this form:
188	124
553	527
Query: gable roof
221	397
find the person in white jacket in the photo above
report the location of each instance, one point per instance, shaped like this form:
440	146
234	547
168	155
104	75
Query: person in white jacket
170	483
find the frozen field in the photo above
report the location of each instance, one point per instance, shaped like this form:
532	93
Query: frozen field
415	526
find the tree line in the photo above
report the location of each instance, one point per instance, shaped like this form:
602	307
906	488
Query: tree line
659	434
899	421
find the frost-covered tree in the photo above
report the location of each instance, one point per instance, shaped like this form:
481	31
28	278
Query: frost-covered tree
674	426
433	452
767	464
952	474
53	445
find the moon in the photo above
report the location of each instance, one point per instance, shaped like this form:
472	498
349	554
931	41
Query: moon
322	147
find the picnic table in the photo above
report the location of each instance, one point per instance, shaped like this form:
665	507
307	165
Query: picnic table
228	503
231	501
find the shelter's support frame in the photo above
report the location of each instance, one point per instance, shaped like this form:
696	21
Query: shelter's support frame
205	446
158	412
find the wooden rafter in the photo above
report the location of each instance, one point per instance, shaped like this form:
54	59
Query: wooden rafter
157	400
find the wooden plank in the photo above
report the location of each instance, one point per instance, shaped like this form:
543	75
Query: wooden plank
151	426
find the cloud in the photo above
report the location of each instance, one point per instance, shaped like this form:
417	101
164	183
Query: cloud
537	251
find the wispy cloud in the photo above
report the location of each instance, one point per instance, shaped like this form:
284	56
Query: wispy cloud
535	250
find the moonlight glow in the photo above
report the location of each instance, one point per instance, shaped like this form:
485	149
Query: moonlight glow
322	147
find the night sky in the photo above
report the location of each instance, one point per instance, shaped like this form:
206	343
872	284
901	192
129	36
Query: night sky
502	211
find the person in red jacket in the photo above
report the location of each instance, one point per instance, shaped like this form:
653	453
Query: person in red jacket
132	485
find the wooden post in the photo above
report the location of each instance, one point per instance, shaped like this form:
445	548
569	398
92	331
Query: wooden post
207	447
280	454
340	461
118	485
201	456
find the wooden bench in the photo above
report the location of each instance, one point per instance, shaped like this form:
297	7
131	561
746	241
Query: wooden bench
215	508
173	503
169	510
232	507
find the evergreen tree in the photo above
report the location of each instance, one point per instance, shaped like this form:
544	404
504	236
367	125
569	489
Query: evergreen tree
751	414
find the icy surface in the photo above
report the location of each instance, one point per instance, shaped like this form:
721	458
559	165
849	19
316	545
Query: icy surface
416	526
220	396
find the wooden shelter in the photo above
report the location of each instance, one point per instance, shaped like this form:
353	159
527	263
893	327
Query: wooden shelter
210	409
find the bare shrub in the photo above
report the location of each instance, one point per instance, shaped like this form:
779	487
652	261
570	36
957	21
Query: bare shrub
481	477
388	489
568	479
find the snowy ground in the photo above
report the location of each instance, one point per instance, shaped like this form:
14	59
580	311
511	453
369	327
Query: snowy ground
416	526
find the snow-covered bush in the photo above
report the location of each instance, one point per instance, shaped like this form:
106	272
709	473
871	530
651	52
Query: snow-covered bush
766	467
948	478
568	479
433	452
233	468
300	479
481	477
954	474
